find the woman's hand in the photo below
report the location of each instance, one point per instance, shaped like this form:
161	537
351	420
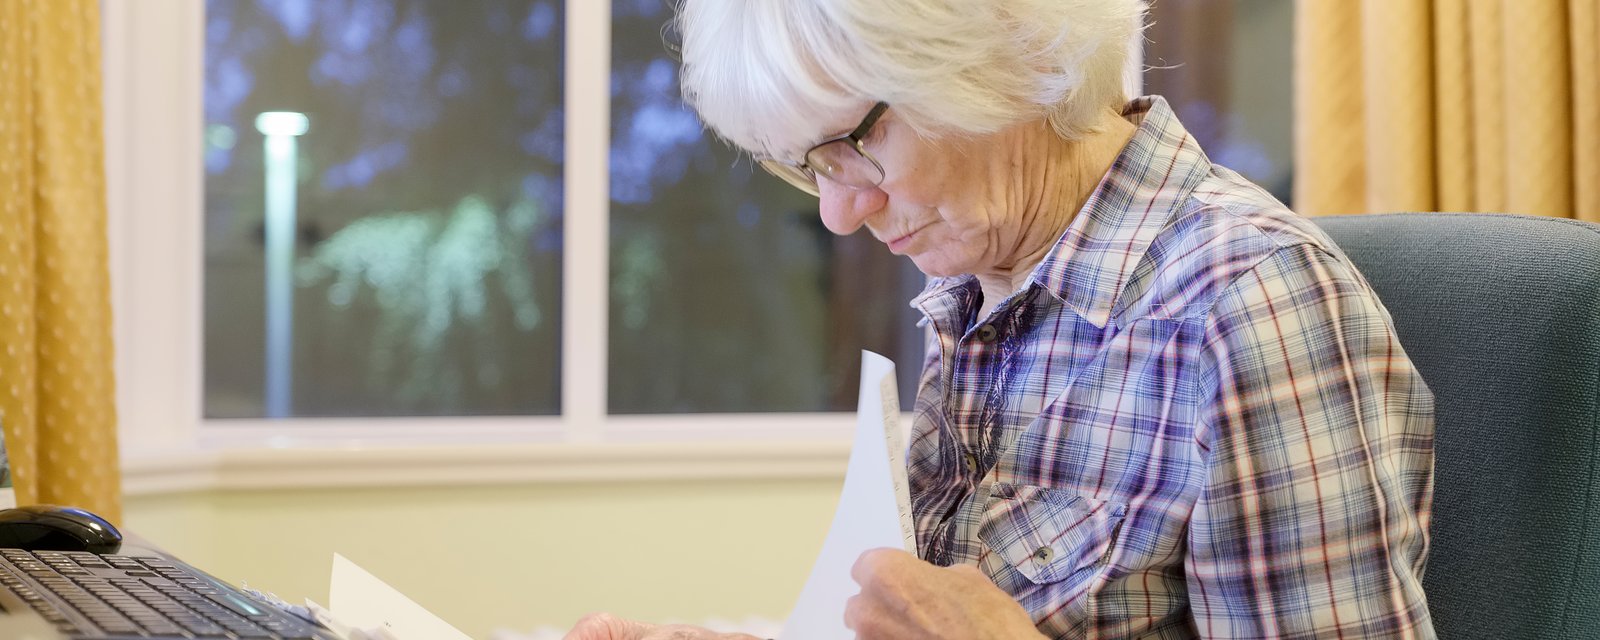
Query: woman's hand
904	597
604	626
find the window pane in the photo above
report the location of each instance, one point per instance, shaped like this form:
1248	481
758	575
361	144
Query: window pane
727	294
422	205
1226	66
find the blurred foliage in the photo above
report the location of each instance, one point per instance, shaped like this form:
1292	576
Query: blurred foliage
429	274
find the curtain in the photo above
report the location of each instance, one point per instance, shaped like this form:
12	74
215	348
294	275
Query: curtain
1448	105
56	389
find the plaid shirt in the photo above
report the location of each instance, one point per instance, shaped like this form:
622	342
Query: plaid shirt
1193	421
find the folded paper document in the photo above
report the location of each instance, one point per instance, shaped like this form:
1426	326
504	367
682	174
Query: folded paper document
363	607
874	507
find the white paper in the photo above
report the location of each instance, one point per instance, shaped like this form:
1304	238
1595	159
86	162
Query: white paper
362	601
874	508
894	436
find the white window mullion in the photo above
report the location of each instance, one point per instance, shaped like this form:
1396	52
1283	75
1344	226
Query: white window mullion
585	275
153	77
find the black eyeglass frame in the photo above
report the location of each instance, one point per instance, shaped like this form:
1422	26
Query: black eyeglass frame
803	175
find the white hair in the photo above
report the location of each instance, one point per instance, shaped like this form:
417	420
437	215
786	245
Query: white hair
761	73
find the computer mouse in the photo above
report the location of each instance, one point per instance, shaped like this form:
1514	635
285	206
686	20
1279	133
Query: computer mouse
51	528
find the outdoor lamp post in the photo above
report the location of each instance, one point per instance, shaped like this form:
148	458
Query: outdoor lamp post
280	128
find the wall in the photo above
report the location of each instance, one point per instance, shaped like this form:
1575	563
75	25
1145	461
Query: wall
515	556
1265	105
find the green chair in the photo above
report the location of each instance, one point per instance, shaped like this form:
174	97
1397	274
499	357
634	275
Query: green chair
1501	315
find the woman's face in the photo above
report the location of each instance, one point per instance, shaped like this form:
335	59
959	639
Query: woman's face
946	204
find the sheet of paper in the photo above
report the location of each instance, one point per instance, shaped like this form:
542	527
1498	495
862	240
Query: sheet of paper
362	601
874	508
894	436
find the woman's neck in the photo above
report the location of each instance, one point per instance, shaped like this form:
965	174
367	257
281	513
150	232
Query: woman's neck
1058	188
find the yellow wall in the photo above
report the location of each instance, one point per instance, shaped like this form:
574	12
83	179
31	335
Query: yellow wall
515	557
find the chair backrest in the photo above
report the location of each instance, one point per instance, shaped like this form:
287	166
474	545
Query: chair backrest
1501	315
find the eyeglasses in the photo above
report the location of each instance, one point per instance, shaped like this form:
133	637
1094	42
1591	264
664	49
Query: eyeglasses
841	160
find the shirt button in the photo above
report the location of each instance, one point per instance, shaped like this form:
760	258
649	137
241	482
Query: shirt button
972	464
987	333
1043	555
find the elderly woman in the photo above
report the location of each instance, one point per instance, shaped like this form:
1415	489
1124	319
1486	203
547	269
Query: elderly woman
1155	402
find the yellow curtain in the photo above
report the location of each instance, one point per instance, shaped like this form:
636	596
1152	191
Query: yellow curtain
56	389
1448	105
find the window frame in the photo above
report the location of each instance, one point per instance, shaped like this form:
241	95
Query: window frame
153	80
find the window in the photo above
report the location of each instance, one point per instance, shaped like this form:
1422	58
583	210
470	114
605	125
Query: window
420	271
398	252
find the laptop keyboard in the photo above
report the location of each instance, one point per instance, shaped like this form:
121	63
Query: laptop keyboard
116	597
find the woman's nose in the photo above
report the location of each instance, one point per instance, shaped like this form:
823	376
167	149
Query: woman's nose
845	209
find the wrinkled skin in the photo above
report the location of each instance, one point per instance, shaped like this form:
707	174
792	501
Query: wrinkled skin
905	597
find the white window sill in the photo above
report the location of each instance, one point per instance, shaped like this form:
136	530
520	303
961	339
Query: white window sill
153	473
254	455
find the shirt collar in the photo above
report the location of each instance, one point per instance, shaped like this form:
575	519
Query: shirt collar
1093	262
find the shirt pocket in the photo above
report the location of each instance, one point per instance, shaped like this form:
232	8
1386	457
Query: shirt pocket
1048	535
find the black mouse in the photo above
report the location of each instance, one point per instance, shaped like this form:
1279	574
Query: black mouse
51	528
